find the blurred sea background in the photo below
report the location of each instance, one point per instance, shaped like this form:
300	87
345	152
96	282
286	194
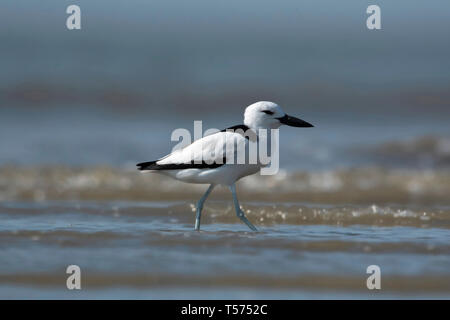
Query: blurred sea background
370	184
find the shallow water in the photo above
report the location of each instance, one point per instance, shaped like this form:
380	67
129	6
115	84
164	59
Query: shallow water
133	249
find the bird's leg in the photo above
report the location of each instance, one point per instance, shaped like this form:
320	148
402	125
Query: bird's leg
239	212
200	207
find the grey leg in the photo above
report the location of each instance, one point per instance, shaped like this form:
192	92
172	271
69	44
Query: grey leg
200	207
239	212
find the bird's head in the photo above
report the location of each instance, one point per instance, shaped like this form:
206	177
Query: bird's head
269	115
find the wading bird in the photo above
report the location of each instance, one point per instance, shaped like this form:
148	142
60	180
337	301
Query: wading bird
200	162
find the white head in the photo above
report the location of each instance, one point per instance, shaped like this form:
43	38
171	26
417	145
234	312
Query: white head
269	115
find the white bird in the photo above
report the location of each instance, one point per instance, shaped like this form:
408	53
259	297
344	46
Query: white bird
202	162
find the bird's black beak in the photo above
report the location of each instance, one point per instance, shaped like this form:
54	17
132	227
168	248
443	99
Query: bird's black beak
294	122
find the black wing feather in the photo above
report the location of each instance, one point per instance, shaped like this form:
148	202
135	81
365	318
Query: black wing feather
151	165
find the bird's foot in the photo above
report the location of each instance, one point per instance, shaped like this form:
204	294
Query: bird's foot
197	225
244	219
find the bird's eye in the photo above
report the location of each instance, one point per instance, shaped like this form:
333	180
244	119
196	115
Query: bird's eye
267	112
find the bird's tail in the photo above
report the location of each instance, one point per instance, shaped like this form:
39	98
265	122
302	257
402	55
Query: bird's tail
150	165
